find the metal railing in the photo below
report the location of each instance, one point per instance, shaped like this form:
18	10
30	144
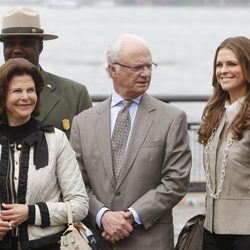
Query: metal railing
164	98
197	178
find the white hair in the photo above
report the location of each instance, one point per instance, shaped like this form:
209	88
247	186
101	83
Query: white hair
115	48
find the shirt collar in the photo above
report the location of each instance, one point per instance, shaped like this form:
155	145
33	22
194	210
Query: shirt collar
234	108
117	99
238	102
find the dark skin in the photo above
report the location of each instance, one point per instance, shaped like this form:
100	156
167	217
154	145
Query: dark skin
28	47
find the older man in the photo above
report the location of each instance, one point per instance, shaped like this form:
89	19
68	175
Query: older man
62	98
134	155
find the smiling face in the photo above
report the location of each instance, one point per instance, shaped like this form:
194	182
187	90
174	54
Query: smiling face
129	83
20	100
230	75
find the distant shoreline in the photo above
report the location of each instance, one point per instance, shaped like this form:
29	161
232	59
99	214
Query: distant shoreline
174	3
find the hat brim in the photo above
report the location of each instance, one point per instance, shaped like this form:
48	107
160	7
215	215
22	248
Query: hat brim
43	36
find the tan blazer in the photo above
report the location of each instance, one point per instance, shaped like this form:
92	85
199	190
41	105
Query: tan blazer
230	213
155	175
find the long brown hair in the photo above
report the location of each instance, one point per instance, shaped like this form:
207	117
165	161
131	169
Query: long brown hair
216	103
18	67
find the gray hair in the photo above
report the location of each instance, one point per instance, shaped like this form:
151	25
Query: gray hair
115	48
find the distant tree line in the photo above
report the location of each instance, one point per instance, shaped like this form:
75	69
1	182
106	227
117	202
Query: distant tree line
184	2
140	2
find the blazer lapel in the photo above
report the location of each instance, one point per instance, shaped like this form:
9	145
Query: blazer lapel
215	143
48	97
102	132
143	121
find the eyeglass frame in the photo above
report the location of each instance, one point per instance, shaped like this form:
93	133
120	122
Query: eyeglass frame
139	67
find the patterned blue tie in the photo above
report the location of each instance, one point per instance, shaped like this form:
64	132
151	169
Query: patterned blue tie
120	138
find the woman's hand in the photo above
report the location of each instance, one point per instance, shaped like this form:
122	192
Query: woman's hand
5	227
14	214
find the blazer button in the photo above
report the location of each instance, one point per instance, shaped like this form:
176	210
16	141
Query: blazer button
117	193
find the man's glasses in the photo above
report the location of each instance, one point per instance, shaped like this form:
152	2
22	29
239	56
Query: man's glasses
139	67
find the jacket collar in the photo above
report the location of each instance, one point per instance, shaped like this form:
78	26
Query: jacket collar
38	140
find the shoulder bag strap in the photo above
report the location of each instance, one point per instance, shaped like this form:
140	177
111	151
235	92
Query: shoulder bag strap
69	213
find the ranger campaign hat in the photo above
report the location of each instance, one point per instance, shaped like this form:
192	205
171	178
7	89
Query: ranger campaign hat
23	21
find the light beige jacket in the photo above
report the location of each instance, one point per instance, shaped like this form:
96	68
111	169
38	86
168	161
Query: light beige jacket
50	185
230	213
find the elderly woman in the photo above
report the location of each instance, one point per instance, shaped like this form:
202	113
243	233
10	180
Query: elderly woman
38	169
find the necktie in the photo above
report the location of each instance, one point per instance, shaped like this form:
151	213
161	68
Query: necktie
120	138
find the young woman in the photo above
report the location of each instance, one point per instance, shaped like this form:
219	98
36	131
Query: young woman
38	169
225	133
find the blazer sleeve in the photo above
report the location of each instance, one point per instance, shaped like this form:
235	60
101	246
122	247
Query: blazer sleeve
175	173
76	142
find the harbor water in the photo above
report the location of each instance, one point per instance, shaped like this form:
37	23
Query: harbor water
182	39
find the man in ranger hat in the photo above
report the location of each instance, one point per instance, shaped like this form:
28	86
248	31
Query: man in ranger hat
61	98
